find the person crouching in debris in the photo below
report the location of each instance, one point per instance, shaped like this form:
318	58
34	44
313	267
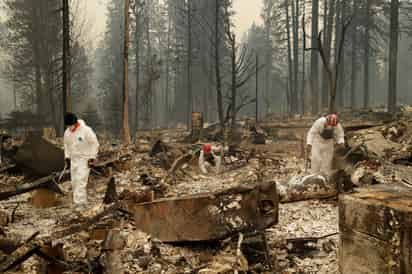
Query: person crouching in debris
80	150
207	158
321	141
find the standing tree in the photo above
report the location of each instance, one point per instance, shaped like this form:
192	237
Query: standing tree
366	52
138	13
219	93
66	57
332	71
314	61
393	55
295	32
189	63
354	52
125	116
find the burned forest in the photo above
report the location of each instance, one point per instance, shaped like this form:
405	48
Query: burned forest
206	136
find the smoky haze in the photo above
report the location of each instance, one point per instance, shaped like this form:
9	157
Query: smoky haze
228	59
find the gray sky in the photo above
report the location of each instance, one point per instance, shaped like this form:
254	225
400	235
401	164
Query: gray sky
247	12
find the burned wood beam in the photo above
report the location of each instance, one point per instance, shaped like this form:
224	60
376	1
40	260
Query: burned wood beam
7	167
208	216
86	224
21	254
48	182
26	251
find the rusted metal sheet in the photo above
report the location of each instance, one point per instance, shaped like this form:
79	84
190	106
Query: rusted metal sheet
209	216
39	157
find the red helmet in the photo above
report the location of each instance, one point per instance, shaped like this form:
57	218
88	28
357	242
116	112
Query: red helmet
207	148
332	120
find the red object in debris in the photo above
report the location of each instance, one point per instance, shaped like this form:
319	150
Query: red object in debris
207	148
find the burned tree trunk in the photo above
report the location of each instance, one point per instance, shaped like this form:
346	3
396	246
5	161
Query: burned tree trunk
137	56
393	55
125	122
354	41
291	85
189	63
332	72
366	50
295	32
219	96
314	61
66	57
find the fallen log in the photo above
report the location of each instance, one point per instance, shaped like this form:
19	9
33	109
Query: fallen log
208	216
21	254
48	182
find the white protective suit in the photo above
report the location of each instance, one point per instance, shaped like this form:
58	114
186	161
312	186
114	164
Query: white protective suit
80	146
322	149
204	165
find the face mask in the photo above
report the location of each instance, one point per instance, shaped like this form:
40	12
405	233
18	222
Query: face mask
327	133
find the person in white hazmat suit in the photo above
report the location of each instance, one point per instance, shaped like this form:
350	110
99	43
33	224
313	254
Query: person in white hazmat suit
207	159
321	139
80	149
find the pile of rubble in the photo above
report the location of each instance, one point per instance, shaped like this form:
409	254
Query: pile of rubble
152	211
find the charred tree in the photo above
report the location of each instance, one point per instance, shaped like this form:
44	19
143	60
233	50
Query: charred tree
125	109
354	62
189	63
393	55
66	57
332	71
219	93
295	31
314	61
291	85
366	52
137	39
329	14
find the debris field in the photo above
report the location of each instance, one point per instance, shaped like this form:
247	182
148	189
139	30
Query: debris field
151	210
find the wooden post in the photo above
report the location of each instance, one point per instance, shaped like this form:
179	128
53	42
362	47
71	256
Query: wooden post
197	126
